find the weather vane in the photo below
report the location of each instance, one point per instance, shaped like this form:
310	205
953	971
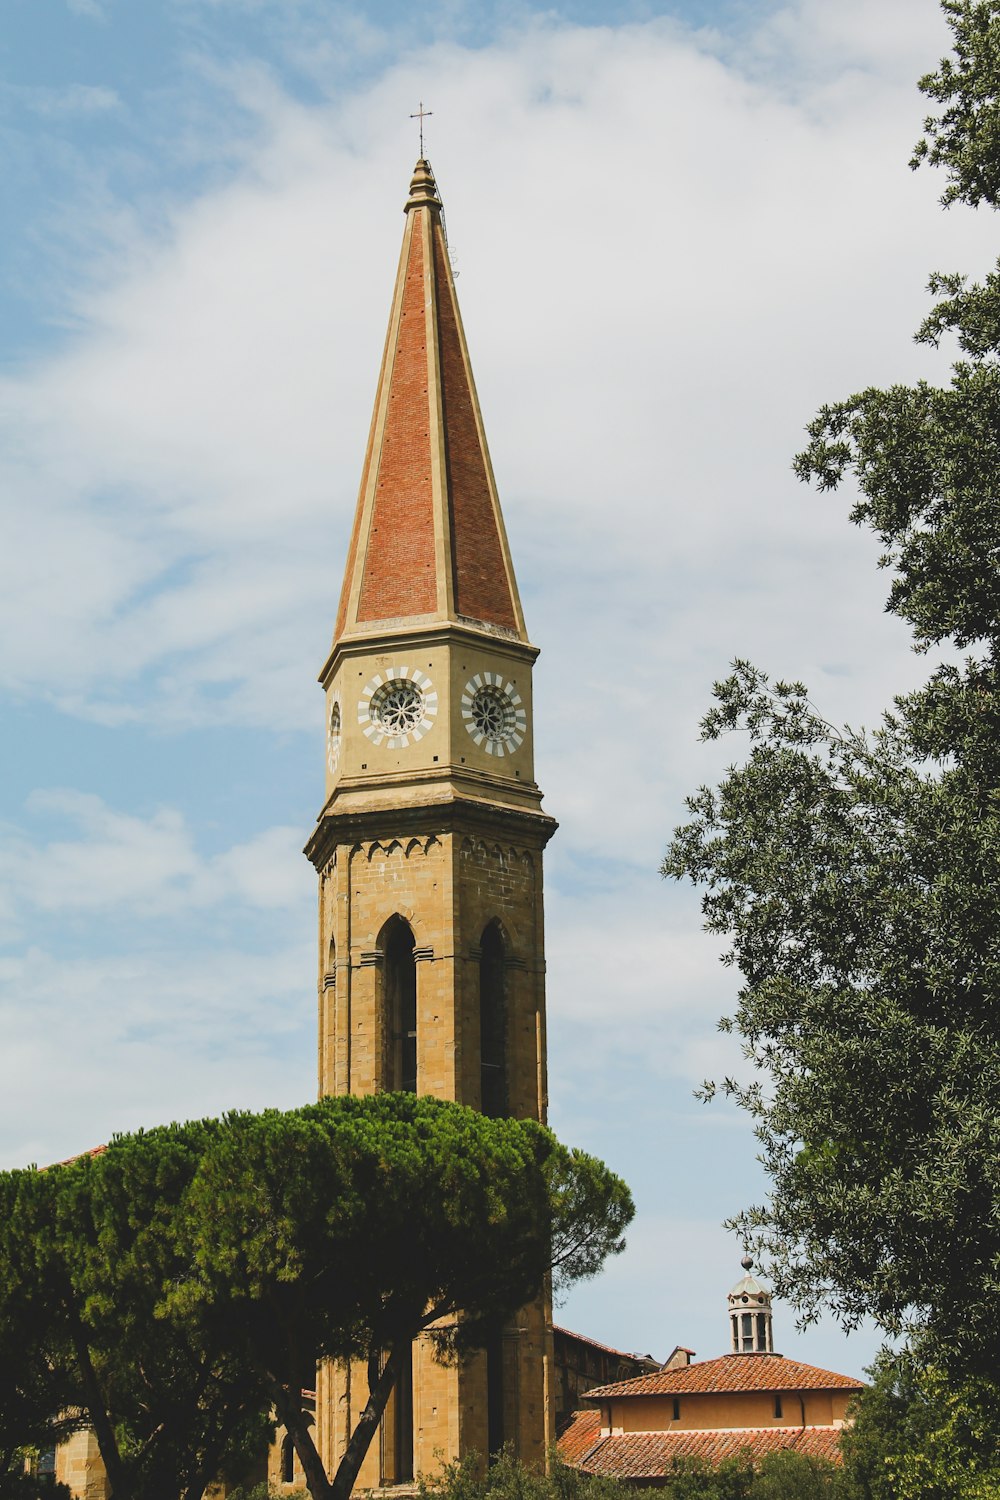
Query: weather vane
421	115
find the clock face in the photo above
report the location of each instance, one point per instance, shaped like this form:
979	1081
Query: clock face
398	708
494	714
333	730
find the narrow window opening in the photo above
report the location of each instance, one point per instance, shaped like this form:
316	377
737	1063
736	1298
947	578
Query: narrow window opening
492	1025
400	1008
677	1408
287	1460
494	1396
747	1335
403	1425
777	1407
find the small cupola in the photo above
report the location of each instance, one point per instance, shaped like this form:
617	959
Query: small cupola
750	1315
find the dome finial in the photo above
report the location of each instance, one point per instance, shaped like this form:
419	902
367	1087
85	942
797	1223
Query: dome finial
747	1262
423	188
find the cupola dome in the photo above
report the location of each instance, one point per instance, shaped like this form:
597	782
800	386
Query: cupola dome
750	1315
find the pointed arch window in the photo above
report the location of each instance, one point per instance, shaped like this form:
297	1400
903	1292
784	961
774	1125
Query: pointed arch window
287	1460
493	1024
399	977
404	1420
397	1426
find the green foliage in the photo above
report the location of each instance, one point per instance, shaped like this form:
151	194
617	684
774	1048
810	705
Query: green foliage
86	1252
20	1479
509	1479
857	875
860	895
965	139
183	1284
778	1476
794	1476
265	1491
922	1435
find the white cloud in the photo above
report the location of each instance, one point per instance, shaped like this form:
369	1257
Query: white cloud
672	248
666	265
123	865
123	1042
72	99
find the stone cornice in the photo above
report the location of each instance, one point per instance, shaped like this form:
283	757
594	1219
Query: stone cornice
405	634
336	829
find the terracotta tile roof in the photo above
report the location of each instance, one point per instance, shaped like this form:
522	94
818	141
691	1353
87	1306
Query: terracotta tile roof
651	1455
428	539
732	1372
580	1435
69	1160
400	571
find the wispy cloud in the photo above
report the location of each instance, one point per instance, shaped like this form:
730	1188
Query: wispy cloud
56	103
190	462
106	861
94	10
673	249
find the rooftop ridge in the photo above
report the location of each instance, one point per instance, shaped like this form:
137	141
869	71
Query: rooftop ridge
730	1372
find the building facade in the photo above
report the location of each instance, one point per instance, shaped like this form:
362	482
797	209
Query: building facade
429	844
746	1403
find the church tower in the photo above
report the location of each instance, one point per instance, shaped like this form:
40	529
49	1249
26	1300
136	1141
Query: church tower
429	844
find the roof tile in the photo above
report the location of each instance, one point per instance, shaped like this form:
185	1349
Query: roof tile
732	1372
651	1455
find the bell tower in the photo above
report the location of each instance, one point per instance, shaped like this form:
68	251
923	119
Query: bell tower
429	844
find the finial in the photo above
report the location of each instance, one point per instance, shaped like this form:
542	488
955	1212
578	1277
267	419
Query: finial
423	188
421	115
747	1263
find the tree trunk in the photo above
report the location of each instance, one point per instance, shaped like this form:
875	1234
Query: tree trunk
379	1390
296	1424
97	1411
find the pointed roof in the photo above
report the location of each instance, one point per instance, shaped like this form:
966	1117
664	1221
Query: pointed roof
428	543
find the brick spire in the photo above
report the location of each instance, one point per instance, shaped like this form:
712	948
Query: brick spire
428	543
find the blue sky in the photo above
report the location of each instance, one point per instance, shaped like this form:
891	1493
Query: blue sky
678	228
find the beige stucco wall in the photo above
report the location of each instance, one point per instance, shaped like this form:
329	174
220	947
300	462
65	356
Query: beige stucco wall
701	1411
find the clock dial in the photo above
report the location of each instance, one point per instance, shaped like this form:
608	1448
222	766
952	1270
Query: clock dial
398	708
494	714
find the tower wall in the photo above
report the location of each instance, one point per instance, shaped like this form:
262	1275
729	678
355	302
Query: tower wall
447	886
447	873
432	831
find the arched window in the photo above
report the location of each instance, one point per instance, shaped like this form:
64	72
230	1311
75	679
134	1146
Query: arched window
396	1436
328	1023
399	979
287	1460
404	1421
492	1024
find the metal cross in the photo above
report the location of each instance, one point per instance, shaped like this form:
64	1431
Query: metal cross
421	115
